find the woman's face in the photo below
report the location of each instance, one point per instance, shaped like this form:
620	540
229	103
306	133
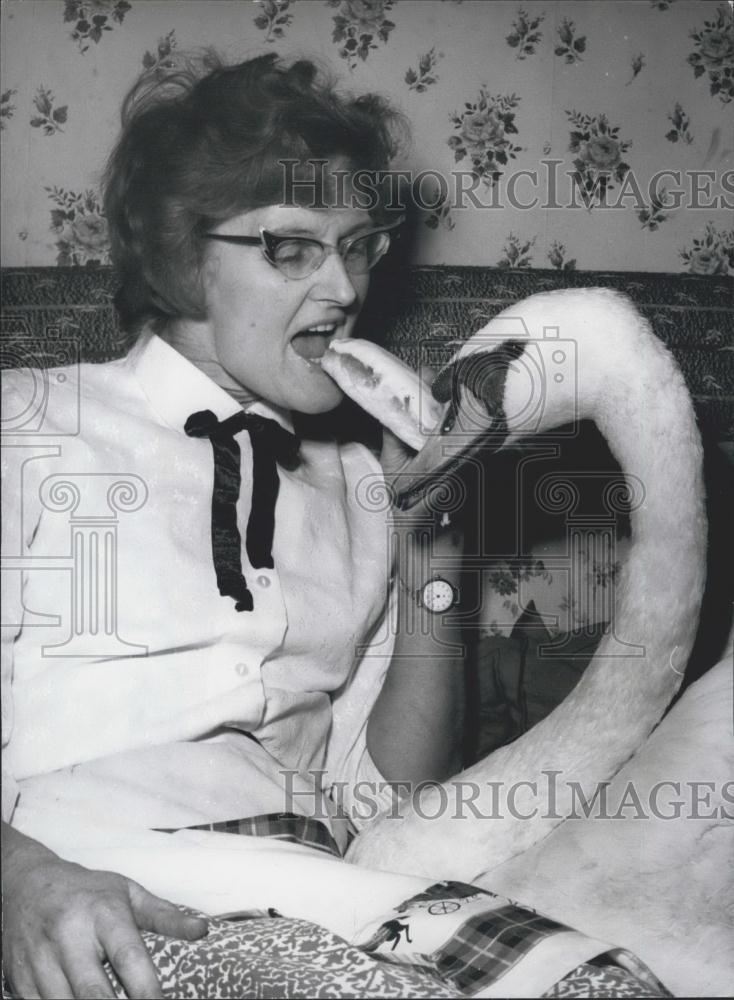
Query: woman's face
262	328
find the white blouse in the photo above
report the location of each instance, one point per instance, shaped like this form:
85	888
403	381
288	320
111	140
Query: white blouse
129	681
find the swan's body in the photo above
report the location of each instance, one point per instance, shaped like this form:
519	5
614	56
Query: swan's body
660	886
629	385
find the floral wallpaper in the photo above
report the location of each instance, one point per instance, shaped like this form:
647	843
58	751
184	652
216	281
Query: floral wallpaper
569	135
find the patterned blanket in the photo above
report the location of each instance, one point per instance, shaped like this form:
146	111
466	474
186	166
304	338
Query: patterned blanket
450	940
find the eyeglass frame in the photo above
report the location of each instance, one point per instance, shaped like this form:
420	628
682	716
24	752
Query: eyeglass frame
268	243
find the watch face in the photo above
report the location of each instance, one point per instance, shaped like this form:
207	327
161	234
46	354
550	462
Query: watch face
438	595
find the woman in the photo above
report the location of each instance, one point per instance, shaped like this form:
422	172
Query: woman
212	704
245	650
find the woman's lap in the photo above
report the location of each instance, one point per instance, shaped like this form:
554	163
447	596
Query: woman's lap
259	953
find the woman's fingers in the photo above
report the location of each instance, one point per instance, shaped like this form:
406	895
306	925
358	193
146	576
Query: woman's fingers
158	915
50	976
62	921
394	454
87	977
119	939
21	979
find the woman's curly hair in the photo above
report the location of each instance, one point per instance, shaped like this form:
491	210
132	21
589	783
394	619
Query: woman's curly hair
201	144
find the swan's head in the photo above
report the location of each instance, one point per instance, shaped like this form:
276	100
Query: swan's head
494	391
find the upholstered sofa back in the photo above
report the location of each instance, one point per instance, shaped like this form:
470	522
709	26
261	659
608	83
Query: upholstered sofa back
48	309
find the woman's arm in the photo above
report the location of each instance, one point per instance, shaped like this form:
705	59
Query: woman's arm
415	730
61	920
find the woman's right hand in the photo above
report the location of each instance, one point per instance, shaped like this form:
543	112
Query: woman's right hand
61	921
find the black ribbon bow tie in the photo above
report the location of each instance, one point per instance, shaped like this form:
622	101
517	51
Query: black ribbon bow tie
270	443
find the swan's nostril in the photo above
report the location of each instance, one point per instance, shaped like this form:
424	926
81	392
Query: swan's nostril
449	422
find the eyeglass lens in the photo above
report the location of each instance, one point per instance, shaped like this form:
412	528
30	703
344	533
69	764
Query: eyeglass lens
298	258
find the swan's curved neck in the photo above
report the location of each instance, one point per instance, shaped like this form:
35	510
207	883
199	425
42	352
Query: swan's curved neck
645	413
647	419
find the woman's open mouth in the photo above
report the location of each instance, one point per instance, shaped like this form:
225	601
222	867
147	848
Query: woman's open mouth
311	343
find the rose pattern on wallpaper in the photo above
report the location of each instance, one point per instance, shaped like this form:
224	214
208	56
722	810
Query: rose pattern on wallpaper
7	109
421	79
569	45
557	257
505	581
80	228
656	212
162	59
483	129
484	134
525	33
713	253
49	119
275	17
516	252
433	203
598	153
357	24
92	18
715	54
440	215
680	131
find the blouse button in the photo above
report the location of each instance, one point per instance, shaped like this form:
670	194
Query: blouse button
264	581
241	669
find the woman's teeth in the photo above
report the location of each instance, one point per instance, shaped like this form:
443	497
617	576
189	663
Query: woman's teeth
311	344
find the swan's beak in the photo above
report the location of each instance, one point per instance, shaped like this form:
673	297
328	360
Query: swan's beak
472	389
439	459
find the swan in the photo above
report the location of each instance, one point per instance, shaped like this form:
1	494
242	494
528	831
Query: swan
553	358
661	886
